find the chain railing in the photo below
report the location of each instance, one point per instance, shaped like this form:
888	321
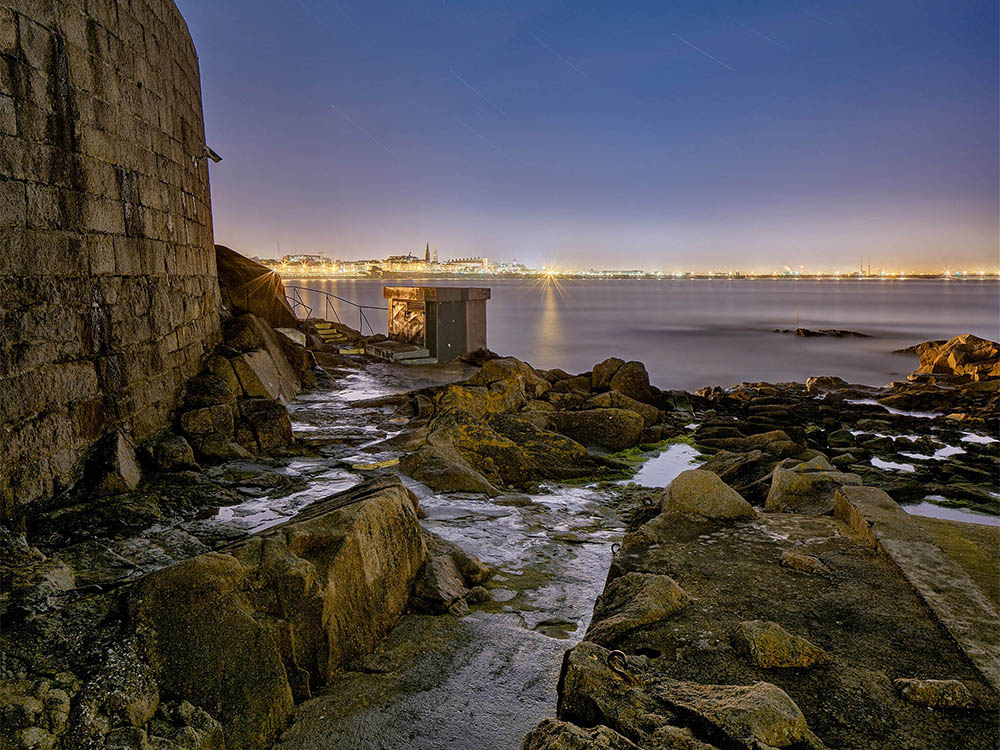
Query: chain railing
295	301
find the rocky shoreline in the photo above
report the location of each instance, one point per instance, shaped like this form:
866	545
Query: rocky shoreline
133	618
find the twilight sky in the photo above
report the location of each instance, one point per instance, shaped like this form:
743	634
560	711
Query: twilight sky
705	134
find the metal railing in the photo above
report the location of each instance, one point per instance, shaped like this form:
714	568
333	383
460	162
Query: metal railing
295	301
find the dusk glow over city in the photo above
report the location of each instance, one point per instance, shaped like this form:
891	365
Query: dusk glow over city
665	137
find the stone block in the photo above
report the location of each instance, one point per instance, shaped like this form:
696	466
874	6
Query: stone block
114	467
269	422
210	420
259	376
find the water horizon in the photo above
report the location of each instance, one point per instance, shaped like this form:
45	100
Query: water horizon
692	333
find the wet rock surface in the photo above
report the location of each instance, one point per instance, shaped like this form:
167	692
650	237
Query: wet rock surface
738	612
797	630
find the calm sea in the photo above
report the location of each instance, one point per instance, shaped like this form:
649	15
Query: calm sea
692	333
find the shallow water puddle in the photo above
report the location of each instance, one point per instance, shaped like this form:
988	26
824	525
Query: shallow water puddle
659	471
892	465
971	437
929	508
938	455
893	410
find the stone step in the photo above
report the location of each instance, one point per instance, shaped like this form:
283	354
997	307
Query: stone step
394	351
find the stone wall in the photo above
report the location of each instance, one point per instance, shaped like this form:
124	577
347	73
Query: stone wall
108	291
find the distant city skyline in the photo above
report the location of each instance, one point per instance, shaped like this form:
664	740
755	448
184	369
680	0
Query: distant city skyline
575	135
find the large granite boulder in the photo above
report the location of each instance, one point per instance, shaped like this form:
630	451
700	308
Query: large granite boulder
508	369
244	633
632	380
963	355
447	577
769	645
744	716
552	734
618	400
613	429
600	376
501	386
603	687
268	421
262	368
443	469
251	287
112	467
634	601
702	493
807	487
748	473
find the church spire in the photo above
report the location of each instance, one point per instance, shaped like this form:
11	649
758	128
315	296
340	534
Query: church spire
427	253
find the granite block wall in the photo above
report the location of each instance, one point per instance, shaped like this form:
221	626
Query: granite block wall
108	289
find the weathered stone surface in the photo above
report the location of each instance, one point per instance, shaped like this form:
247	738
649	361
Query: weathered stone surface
807	487
633	601
260	378
616	400
107	270
208	389
269	421
600	376
935	693
251	287
512	371
632	380
769	645
222	368
963	355
114	468
747	716
443	469
560	735
704	494
171	452
242	633
613	429
960	607
447	577
504	450
210	420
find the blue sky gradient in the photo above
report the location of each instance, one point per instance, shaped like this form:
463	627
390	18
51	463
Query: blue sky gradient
688	135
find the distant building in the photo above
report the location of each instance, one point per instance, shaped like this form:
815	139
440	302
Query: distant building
304	259
466	265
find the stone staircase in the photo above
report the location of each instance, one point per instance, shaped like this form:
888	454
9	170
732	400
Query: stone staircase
333	335
329	334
